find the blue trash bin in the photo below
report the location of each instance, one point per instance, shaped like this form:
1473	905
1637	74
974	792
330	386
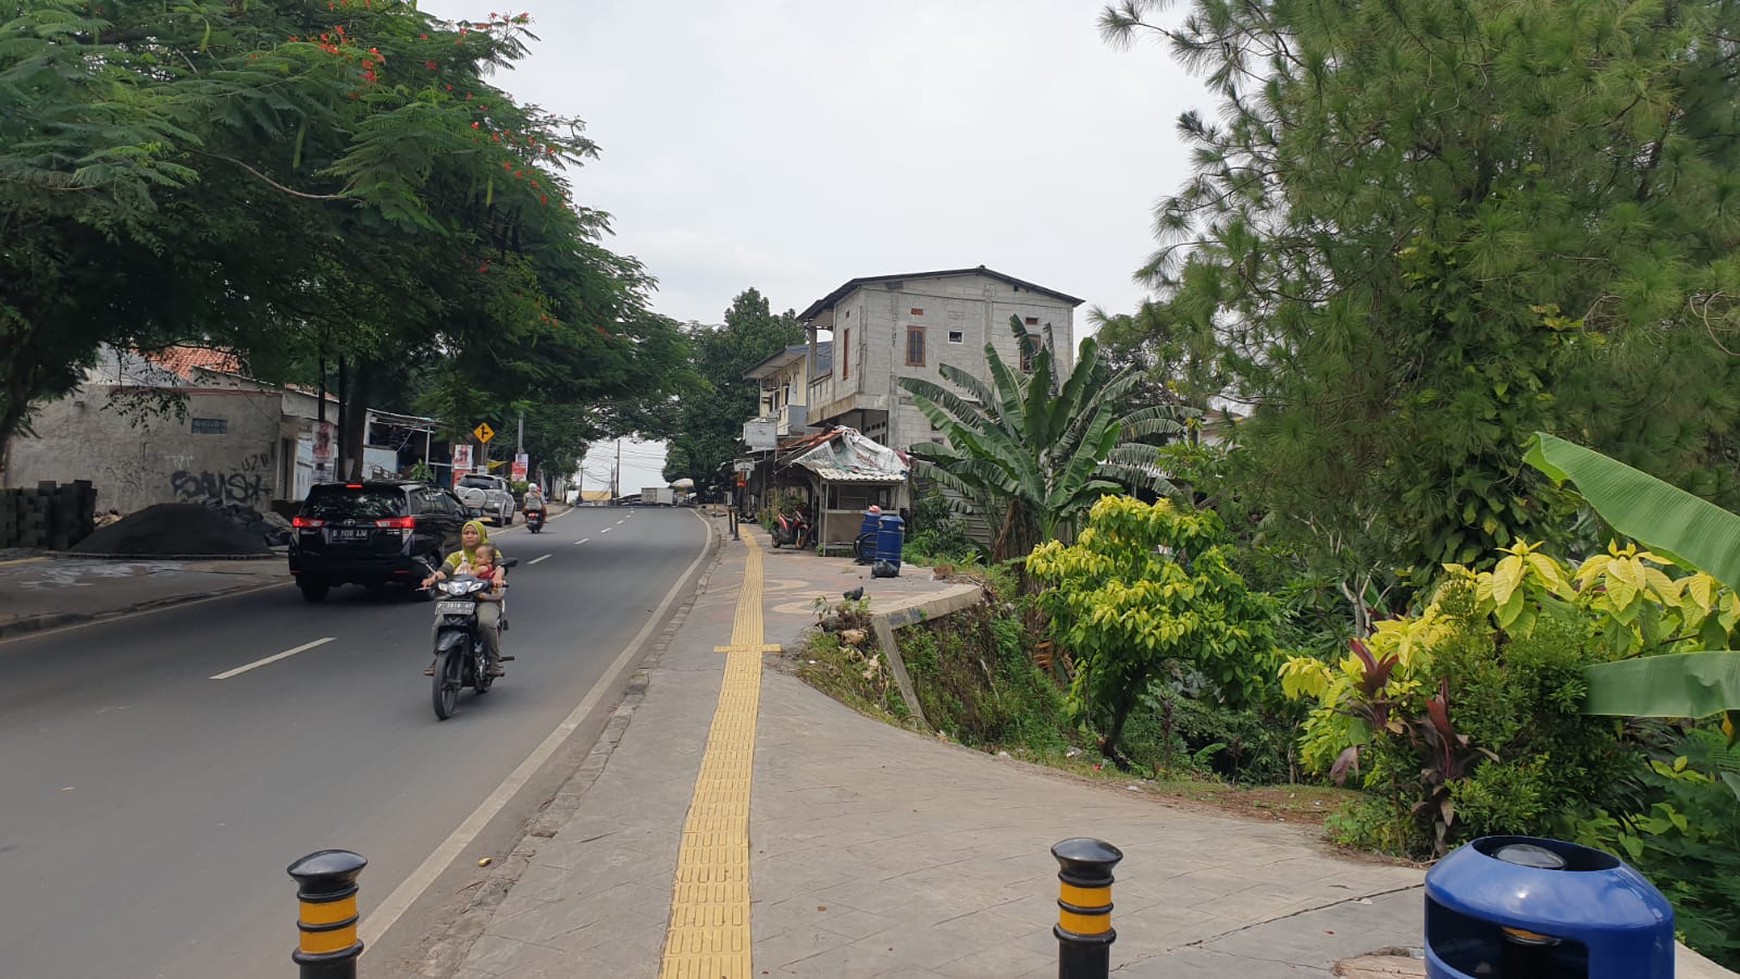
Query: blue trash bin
890	539
1504	907
864	551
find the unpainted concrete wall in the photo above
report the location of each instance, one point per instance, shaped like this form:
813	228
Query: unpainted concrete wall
83	436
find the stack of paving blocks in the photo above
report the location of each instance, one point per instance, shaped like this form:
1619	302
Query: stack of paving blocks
53	515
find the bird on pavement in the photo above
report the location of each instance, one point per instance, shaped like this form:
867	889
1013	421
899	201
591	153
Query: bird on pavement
854	594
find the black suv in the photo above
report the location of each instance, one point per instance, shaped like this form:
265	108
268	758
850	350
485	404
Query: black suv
372	533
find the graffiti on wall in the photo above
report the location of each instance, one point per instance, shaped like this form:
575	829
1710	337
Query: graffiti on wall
244	484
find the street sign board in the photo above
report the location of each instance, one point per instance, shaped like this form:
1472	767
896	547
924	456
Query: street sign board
743	466
522	462
762	436
461	462
483	432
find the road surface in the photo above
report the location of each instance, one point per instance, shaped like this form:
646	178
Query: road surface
147	810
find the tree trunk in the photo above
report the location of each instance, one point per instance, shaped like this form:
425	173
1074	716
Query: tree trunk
1120	713
359	384
20	384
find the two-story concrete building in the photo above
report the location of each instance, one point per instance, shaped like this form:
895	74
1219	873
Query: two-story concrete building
864	337
887	327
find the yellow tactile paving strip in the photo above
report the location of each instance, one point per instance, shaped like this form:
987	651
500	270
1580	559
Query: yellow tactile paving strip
708	936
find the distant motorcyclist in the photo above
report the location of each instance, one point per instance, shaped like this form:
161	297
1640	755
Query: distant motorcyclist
467	560
534	498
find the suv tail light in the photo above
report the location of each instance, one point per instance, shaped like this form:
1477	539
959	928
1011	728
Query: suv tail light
397	523
302	523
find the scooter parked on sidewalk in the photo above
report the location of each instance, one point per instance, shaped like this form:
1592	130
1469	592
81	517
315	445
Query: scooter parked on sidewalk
461	658
791	529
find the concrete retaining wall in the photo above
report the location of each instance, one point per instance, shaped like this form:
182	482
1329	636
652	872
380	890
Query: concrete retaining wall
229	448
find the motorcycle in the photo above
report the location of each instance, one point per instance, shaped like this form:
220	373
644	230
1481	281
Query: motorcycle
535	521
461	659
791	529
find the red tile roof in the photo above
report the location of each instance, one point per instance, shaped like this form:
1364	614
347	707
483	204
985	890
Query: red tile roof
183	361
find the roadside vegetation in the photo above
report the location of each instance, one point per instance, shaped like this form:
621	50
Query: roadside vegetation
1427	489
341	194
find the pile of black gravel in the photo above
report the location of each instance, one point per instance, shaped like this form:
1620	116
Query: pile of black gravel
179	529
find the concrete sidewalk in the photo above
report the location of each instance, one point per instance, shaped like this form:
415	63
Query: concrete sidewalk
876	852
57	590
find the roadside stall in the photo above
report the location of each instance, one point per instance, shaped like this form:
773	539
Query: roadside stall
849	473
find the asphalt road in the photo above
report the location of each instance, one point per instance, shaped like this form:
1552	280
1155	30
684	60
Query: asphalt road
147	811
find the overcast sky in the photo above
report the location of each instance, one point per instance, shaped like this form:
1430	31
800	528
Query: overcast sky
791	145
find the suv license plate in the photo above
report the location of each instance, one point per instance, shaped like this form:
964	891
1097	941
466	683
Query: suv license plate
454	608
350	534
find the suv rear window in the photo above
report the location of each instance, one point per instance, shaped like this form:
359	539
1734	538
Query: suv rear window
483	482
336	502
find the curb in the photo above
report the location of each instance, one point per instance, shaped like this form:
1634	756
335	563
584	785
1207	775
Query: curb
884	623
28	625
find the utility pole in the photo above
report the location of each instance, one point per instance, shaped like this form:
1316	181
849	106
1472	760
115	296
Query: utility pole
520	443
616	474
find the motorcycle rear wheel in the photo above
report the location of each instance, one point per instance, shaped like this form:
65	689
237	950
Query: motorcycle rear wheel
449	668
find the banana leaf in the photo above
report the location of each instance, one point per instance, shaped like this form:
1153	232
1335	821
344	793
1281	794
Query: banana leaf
1693	532
1669	685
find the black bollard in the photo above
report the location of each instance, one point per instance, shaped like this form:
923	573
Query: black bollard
1084	907
326	888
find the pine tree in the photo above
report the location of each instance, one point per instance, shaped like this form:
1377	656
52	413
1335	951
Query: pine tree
1423	229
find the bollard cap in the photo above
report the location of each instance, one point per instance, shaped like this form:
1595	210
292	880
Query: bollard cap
1085	861
325	871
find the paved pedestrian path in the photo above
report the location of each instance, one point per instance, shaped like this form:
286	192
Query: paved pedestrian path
872	851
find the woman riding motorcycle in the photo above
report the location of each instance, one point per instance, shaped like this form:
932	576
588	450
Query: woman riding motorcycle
534	507
471	537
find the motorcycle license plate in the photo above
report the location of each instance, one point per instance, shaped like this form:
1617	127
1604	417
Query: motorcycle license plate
454	608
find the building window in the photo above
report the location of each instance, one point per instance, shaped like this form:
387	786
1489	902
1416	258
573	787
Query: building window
956	336
915	346
1032	321
1027	348
917	312
211	426
846	355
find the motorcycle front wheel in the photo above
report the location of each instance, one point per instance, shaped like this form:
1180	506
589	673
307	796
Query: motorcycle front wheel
449	672
481	668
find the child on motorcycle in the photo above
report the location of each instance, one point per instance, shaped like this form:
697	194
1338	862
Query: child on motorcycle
474	545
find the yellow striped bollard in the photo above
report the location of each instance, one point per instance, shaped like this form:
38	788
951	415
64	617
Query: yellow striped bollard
1084	907
326	888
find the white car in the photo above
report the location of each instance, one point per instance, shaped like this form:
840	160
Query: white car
488	497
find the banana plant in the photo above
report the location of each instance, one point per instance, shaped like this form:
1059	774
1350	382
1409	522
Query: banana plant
1691	532
1033	455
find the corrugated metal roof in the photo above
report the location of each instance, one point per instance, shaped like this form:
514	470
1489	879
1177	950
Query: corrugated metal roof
835	474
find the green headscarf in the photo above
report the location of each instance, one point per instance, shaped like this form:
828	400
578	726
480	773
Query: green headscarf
469	556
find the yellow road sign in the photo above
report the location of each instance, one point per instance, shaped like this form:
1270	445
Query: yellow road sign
483	432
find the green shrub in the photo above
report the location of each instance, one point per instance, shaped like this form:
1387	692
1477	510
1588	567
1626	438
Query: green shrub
1462	728
938	534
1688	842
1172	731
